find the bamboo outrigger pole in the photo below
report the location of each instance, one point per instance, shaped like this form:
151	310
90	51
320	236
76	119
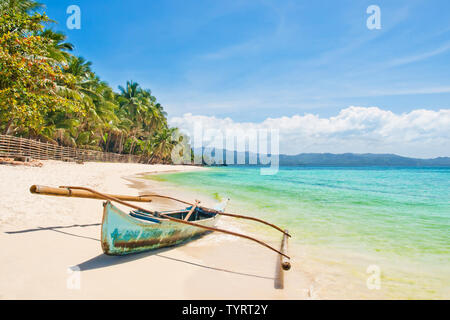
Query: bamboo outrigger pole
64	192
70	192
285	263
222	213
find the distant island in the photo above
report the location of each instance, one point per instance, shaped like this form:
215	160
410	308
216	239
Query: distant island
330	160
363	160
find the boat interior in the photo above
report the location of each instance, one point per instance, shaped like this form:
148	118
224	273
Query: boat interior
198	214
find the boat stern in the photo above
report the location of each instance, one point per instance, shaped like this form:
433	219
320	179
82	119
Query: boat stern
122	234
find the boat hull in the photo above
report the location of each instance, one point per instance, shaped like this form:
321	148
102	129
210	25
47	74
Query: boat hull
123	234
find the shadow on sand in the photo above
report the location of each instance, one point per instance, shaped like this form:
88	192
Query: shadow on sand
103	260
56	229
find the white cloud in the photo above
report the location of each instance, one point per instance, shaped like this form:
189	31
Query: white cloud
419	133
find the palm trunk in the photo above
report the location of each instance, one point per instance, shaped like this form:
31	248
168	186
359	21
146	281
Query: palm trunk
8	126
120	143
132	148
108	140
161	153
152	157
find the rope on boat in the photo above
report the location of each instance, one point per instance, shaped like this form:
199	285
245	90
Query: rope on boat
111	198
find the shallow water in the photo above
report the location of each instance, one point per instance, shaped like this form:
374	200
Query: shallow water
396	219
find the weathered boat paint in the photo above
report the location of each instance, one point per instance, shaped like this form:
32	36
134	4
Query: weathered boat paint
123	234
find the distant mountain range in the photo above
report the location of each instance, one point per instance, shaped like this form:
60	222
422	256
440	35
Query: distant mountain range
363	160
348	160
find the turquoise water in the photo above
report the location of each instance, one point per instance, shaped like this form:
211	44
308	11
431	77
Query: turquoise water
398	214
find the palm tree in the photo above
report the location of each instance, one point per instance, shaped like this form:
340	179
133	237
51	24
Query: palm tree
154	116
162	144
132	101
79	67
60	49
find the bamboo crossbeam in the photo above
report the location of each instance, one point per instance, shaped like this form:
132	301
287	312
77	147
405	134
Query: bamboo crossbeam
67	192
192	210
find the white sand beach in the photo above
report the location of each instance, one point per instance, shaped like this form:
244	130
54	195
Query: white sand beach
44	237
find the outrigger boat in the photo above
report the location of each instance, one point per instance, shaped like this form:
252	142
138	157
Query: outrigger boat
142	229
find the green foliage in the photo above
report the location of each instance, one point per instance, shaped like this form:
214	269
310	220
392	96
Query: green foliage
47	93
20	5
29	77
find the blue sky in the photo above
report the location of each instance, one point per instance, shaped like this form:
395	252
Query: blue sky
250	60
302	63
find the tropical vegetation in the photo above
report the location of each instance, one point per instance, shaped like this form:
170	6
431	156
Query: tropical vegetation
49	94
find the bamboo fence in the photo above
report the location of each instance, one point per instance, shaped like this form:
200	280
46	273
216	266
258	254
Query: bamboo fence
14	146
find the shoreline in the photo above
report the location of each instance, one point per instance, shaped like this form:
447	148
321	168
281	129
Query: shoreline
52	250
340	272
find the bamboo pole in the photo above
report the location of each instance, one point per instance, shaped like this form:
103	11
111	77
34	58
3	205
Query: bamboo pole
285	263
192	210
67	192
281	264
